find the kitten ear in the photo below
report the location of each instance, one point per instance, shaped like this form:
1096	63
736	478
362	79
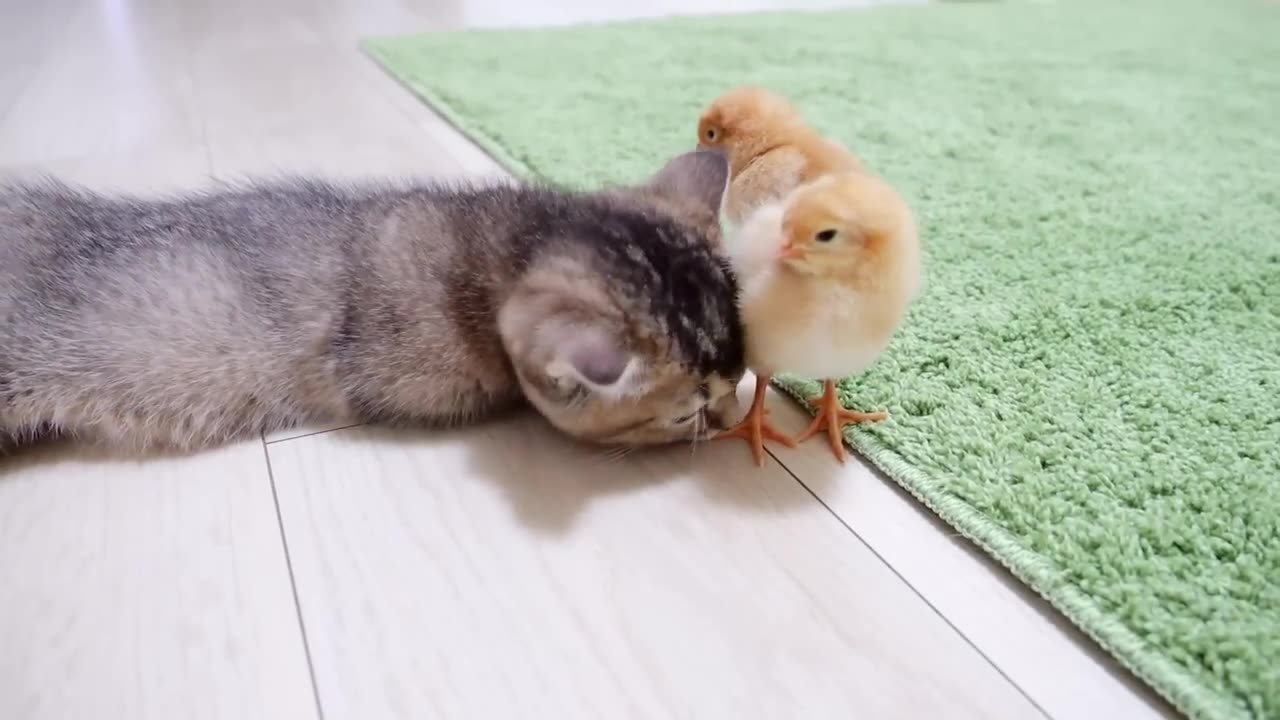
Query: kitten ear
702	176
588	356
556	335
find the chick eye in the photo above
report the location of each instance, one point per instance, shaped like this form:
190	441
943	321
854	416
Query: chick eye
711	133
825	236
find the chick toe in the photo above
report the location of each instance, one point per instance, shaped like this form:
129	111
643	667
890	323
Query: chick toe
755	429
832	417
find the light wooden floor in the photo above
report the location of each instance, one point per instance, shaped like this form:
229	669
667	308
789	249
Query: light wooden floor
488	573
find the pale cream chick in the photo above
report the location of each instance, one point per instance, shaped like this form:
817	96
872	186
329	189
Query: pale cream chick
825	278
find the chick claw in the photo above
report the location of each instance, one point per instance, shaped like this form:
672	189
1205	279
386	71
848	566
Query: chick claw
755	429
833	417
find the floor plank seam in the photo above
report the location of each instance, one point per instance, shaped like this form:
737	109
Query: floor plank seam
913	588
311	434
293	585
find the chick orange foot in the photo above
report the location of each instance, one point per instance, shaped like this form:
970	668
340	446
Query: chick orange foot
833	417
754	428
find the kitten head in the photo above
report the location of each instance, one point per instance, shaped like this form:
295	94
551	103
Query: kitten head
625	328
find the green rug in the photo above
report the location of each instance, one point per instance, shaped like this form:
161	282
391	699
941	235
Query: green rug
1090	385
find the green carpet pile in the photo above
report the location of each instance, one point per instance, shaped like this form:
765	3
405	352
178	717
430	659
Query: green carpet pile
1089	387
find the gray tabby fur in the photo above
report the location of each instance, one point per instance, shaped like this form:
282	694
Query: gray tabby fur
185	322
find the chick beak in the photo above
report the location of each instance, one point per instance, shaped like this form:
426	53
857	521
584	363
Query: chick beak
791	252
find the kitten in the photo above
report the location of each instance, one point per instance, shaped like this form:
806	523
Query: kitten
186	322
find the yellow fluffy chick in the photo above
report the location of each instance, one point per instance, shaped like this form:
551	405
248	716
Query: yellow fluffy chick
825	277
770	148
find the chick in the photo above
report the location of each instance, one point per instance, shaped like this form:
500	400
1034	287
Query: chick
770	148
825	277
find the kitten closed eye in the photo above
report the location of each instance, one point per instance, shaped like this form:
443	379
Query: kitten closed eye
686	418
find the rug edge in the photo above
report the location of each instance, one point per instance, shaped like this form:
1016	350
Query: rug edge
375	49
1185	693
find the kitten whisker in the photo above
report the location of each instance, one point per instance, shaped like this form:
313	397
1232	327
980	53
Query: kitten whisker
700	426
613	455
